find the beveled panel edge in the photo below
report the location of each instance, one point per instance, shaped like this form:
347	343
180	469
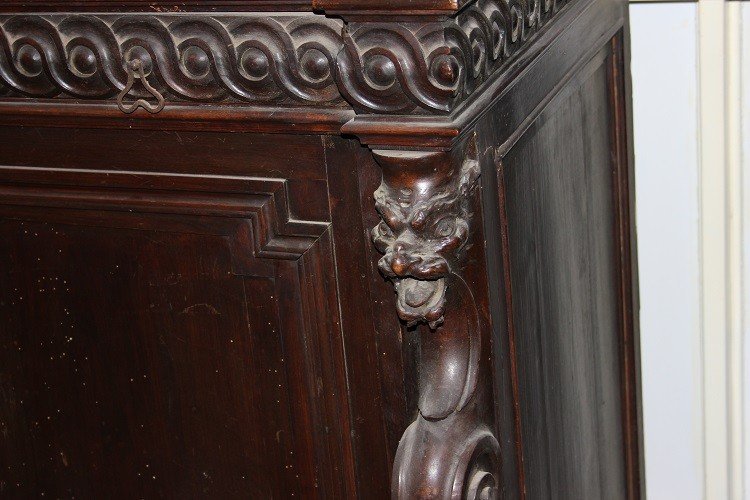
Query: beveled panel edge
260	203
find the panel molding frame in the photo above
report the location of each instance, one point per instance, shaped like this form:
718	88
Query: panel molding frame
257	205
252	215
610	50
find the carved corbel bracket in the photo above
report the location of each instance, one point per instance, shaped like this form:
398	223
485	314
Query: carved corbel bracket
425	202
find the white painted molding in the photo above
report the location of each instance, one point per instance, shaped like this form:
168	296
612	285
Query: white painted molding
713	246
733	141
721	256
744	438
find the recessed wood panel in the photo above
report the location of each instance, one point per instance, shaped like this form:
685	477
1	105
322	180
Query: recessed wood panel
162	335
133	363
558	182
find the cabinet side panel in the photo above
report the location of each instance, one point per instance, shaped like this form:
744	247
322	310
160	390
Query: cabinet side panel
558	189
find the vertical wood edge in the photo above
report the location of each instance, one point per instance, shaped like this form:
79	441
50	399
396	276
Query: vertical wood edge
626	243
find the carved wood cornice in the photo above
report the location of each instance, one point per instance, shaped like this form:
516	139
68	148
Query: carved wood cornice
156	6
431	67
330	6
420	66
285	60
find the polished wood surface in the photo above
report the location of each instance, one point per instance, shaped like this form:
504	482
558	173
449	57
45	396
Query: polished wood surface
557	183
317	249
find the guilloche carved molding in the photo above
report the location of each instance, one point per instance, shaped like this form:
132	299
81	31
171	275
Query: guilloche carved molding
423	65
425	202
430	68
259	59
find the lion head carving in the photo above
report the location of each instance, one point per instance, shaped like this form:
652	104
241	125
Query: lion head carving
424	227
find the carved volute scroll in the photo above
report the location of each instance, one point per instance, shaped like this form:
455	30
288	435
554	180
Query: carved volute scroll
424	200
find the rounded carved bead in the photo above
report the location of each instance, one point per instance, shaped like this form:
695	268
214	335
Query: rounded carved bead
315	64
381	70
445	69
139	52
83	60
255	63
28	60
195	61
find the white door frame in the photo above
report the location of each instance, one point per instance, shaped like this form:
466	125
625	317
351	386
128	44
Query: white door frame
721	247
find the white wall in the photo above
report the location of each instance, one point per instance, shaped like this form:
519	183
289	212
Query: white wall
691	94
665	98
745	91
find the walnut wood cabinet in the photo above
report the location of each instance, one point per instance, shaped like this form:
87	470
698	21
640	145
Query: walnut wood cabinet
330	249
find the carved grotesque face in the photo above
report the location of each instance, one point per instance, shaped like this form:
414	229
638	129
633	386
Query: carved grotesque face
422	230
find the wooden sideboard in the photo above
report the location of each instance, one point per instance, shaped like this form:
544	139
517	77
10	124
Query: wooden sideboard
317	249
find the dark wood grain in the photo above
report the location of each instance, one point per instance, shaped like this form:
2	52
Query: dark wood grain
204	372
187	262
378	412
557	183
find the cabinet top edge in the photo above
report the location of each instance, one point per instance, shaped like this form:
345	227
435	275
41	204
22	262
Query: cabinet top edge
350	81
352	8
155	6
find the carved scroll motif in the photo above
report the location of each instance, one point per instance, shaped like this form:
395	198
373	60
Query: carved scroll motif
424	200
